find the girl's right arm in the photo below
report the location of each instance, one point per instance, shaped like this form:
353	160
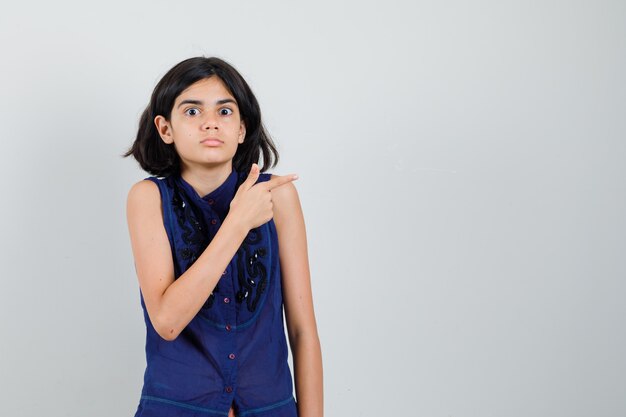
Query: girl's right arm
171	304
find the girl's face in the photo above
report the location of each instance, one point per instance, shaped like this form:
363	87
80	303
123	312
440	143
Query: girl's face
205	125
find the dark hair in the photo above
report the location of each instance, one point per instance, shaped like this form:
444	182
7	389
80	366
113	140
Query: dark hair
161	159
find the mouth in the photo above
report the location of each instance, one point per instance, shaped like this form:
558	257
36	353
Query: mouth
211	142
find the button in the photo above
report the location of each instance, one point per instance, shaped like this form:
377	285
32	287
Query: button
226	300
231	356
229	389
211	201
213	221
228	327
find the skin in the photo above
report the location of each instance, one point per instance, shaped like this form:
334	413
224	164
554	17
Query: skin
298	301
172	304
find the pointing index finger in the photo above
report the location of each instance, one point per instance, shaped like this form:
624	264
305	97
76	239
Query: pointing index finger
280	180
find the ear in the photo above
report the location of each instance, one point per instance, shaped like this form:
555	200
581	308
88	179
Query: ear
164	129
242	131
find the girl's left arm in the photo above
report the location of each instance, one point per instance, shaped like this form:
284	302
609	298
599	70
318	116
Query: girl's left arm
298	300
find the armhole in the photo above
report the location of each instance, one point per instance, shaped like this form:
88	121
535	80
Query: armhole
271	224
165	210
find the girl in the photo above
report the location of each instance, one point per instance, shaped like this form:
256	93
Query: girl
219	248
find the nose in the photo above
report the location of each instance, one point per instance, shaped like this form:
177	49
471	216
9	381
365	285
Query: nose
209	122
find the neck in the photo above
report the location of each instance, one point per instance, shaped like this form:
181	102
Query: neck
205	179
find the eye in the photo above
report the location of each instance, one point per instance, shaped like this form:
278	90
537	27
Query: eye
191	109
225	111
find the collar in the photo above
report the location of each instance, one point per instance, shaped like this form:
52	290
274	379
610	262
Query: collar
218	199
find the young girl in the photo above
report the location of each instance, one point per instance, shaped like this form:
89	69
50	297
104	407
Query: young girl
219	247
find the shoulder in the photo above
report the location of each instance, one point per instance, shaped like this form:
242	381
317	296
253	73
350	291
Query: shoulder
144	193
286	194
143	188
286	204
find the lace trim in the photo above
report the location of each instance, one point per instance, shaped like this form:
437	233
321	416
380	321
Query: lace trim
251	260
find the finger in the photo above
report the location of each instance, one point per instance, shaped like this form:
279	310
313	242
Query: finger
253	175
278	181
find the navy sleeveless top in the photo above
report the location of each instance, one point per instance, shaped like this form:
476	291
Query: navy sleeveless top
234	351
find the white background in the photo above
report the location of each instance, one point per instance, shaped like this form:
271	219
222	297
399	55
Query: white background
461	173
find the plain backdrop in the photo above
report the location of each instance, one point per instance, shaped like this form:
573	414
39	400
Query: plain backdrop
461	172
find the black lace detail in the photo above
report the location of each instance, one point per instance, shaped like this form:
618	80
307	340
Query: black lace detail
252	273
194	233
190	222
250	258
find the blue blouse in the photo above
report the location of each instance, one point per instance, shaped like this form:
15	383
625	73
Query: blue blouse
234	351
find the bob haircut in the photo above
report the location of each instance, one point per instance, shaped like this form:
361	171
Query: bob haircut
161	159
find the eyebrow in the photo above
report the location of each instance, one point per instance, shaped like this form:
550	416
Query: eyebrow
201	103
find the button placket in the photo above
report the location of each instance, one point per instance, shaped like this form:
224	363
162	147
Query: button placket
229	309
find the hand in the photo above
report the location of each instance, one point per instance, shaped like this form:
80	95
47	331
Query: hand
252	204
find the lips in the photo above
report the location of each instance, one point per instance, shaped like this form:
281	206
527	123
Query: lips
211	142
